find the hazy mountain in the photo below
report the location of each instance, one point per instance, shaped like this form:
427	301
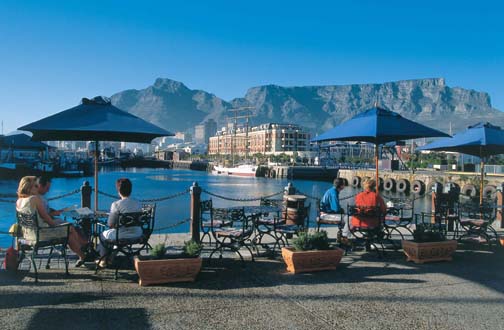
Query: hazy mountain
172	105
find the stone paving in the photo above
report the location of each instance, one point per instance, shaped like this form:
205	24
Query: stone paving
365	292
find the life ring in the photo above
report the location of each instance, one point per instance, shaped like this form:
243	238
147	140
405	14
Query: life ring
418	187
389	185
470	190
403	186
345	182
356	181
489	191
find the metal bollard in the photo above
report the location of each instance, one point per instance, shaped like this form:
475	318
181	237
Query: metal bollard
86	190
195	212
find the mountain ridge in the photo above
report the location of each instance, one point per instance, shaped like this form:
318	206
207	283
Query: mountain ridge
172	105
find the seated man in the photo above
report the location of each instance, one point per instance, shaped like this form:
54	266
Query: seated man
124	205
330	208
369	205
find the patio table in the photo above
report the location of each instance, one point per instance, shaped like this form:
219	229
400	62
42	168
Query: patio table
88	220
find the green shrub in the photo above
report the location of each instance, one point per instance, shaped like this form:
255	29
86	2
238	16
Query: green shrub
192	248
320	241
424	233
158	251
302	242
311	241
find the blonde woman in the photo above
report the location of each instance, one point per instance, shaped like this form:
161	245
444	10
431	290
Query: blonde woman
29	202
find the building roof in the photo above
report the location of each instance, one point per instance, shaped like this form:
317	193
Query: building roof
21	141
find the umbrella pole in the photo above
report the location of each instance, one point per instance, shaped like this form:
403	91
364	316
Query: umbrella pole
96	176
376	164
482	177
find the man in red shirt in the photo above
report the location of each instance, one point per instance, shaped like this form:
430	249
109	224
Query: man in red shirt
370	206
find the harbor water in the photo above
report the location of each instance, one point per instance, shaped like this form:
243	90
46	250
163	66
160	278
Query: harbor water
170	190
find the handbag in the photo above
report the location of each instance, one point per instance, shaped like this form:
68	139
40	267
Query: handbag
15	230
11	259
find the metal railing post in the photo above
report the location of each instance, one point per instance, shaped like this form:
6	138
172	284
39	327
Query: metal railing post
195	212
86	194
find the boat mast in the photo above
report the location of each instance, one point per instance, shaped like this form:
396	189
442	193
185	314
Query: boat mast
239	113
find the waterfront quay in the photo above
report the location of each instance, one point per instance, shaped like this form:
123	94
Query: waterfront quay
364	292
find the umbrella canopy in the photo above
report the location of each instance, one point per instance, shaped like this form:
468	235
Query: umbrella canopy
94	120
378	126
481	140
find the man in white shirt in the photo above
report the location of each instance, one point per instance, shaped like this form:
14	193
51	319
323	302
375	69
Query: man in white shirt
124	205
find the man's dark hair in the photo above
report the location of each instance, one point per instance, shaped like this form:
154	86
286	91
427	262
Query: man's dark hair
339	182
124	186
43	180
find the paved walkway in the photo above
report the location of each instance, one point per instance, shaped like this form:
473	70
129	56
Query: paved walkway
363	293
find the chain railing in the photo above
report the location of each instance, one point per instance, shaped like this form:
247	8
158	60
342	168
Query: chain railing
150	200
252	199
181	222
73	192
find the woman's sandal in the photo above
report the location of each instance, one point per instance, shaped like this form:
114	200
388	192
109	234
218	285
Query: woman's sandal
80	262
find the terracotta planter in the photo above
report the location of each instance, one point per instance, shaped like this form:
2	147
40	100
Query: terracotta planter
167	270
430	251
311	261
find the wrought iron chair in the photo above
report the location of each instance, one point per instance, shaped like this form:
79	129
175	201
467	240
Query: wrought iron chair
232	230
330	219
206	220
35	238
130	247
372	238
265	223
206	224
398	220
476	222
284	231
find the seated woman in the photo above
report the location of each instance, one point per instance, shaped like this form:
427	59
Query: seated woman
124	205
369	206
29	202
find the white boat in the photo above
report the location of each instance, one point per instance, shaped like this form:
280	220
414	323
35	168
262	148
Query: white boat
246	170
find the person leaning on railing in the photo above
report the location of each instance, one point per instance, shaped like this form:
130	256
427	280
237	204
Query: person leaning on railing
30	202
370	207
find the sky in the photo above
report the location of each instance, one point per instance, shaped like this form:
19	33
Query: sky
53	53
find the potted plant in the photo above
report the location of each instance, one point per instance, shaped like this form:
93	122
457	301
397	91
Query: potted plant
311	252
160	267
429	244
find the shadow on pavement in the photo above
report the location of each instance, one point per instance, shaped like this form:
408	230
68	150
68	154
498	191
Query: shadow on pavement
106	318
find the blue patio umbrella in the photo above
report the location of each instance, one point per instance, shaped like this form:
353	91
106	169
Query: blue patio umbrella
481	140
94	120
378	126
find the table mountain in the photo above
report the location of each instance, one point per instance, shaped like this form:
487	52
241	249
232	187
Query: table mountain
171	105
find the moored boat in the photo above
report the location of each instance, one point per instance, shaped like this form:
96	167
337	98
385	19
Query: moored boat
245	170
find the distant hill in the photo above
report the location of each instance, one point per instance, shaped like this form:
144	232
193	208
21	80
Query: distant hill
171	105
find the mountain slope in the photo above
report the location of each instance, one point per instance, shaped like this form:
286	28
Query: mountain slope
172	105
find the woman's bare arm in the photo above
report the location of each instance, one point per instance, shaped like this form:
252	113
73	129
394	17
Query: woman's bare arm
38	205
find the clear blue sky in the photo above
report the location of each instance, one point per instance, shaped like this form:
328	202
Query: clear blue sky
53	53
